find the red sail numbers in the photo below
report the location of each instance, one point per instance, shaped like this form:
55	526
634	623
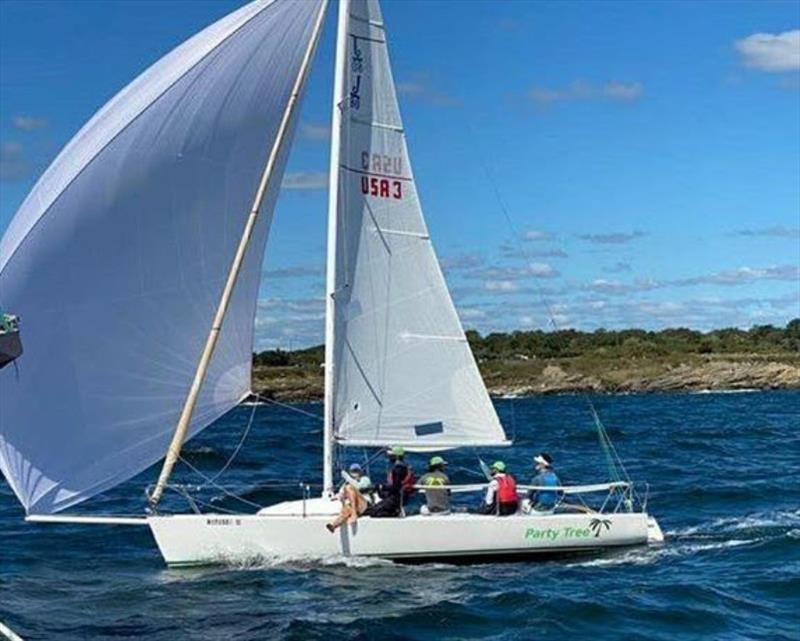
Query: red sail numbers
378	178
381	187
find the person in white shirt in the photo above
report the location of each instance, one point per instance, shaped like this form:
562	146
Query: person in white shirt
353	495
501	494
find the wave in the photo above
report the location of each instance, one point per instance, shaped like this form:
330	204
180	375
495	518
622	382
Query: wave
743	390
719	534
780	519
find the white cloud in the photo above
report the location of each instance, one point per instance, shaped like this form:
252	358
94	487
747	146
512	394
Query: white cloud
508	250
461	261
771	52
534	234
503	273
305	180
298	271
315	132
421	87
743	276
471	313
620	91
29	123
613	238
14	165
500	286
542	270
776	231
581	90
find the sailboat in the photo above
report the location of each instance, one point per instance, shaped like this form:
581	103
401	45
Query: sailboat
134	264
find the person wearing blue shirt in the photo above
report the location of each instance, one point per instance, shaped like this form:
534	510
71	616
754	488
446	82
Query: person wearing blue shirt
544	500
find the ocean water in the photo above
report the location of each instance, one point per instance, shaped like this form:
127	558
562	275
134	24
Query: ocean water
723	471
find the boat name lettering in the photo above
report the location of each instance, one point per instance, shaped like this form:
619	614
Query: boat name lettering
223	521
553	534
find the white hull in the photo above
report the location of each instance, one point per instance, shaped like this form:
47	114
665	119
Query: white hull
283	532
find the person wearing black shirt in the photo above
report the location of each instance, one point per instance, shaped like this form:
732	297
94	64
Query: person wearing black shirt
399	486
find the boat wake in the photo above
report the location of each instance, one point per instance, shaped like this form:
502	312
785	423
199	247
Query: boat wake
299	563
718	534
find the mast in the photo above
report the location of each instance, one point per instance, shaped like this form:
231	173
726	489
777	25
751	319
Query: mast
333	201
227	293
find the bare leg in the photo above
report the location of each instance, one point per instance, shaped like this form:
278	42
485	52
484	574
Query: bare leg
353	505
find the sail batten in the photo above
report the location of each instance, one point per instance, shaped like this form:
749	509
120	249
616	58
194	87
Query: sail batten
117	259
402	369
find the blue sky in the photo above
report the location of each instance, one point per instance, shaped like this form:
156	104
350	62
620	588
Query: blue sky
647	154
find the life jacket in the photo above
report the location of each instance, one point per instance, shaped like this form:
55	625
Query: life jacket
506	489
408	482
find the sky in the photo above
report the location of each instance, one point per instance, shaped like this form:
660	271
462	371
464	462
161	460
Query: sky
580	164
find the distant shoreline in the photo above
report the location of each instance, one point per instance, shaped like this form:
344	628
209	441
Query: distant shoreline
510	379
633	361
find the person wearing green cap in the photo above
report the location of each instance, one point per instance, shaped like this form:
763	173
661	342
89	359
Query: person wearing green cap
501	495
437	499
399	486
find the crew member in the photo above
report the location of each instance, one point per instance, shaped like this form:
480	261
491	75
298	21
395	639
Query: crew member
544	500
398	488
501	495
354	496
437	501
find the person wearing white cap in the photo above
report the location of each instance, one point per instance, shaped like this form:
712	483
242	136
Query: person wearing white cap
544	500
353	495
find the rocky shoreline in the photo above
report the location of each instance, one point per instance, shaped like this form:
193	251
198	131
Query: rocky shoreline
566	376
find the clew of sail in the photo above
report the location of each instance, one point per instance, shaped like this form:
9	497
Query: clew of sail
116	260
403	372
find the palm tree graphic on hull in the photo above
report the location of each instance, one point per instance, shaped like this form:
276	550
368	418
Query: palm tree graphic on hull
597	525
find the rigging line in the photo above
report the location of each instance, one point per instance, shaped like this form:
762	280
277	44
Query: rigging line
217	485
238	445
272	401
514	231
199	502
611	452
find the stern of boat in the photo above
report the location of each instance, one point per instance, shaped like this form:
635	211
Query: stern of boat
654	534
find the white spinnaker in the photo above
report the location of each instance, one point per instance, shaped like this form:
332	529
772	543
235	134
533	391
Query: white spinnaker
403	371
116	260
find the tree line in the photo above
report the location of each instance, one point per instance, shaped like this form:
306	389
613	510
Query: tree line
566	343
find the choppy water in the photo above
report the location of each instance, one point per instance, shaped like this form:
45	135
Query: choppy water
724	475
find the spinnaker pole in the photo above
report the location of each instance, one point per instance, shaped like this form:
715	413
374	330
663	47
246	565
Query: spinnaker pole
333	207
227	293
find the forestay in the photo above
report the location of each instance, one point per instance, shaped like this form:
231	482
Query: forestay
403	370
116	260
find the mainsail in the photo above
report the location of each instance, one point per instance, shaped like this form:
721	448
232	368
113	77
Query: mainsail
116	260
401	370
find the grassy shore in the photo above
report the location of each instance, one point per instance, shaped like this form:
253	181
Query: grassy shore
523	363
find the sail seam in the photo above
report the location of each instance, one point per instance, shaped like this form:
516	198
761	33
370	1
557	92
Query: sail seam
377	125
367	38
400	232
372	173
371	23
433	337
